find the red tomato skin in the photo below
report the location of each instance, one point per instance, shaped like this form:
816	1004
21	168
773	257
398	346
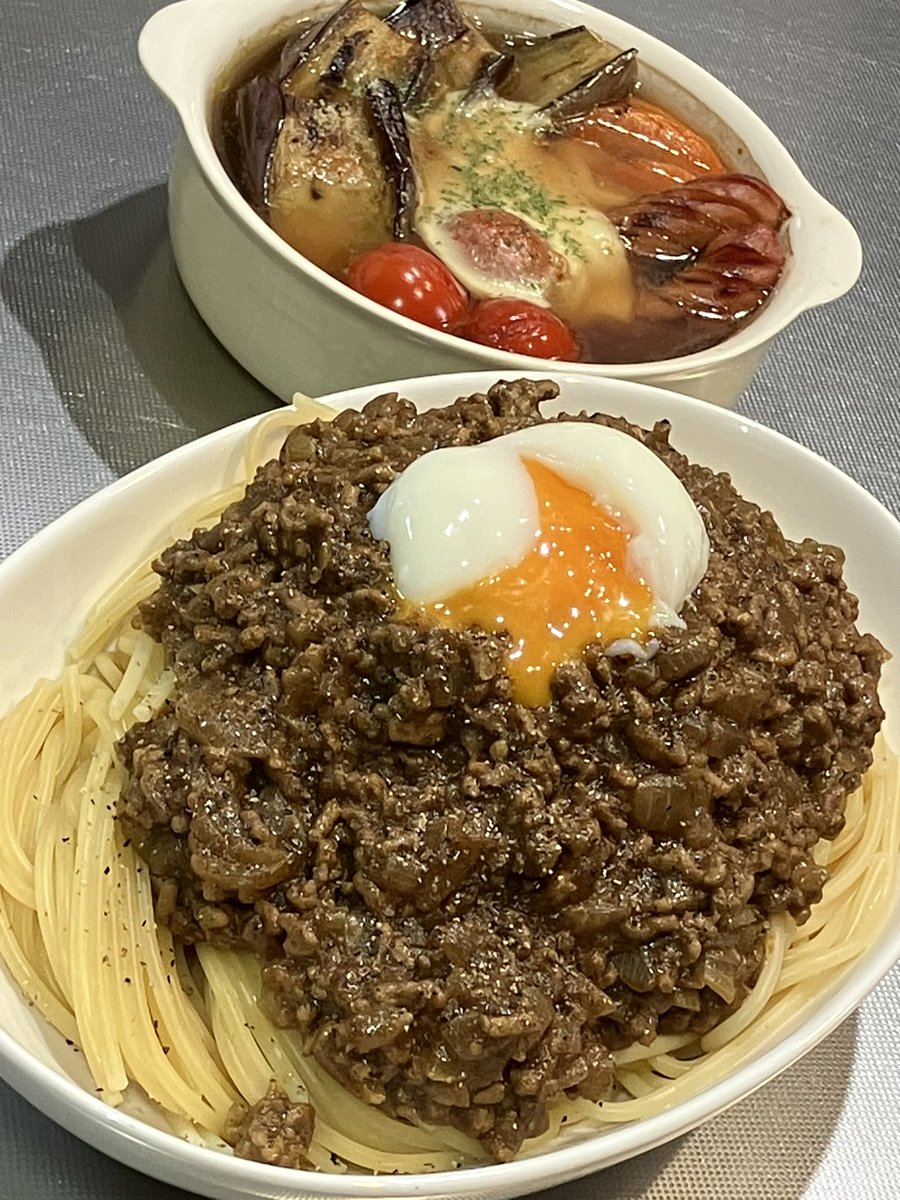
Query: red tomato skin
410	281
521	328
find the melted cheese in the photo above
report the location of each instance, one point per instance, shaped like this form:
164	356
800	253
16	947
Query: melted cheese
496	155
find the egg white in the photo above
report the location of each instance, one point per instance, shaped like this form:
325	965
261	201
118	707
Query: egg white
455	516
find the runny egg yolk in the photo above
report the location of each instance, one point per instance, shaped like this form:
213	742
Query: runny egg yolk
572	587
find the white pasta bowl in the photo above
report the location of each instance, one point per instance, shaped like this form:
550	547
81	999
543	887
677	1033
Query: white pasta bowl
48	587
292	325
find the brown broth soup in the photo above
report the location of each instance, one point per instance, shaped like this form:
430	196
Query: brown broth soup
517	190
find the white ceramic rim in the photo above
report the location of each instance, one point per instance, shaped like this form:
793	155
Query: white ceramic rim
168	1158
826	255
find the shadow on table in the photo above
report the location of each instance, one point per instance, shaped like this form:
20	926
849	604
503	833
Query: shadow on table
768	1146
102	299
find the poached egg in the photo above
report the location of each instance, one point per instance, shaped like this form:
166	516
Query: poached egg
561	535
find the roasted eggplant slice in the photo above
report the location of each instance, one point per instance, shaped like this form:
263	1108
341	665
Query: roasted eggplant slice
329	193
385	112
438	25
259	111
458	65
421	86
433	23
297	48
551	66
610	84
487	82
349	51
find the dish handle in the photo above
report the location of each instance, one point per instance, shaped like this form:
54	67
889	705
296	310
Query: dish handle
834	252
167	51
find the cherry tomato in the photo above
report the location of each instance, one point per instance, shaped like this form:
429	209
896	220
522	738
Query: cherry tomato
522	328
410	281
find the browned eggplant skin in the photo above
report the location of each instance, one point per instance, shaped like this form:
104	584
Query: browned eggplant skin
433	23
608	84
259	112
385	112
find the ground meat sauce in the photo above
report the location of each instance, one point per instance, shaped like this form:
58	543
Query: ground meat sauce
465	905
273	1130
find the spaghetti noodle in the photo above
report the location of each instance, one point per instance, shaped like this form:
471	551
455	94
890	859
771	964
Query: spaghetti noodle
77	924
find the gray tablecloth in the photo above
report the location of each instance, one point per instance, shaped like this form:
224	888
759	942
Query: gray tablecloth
104	365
